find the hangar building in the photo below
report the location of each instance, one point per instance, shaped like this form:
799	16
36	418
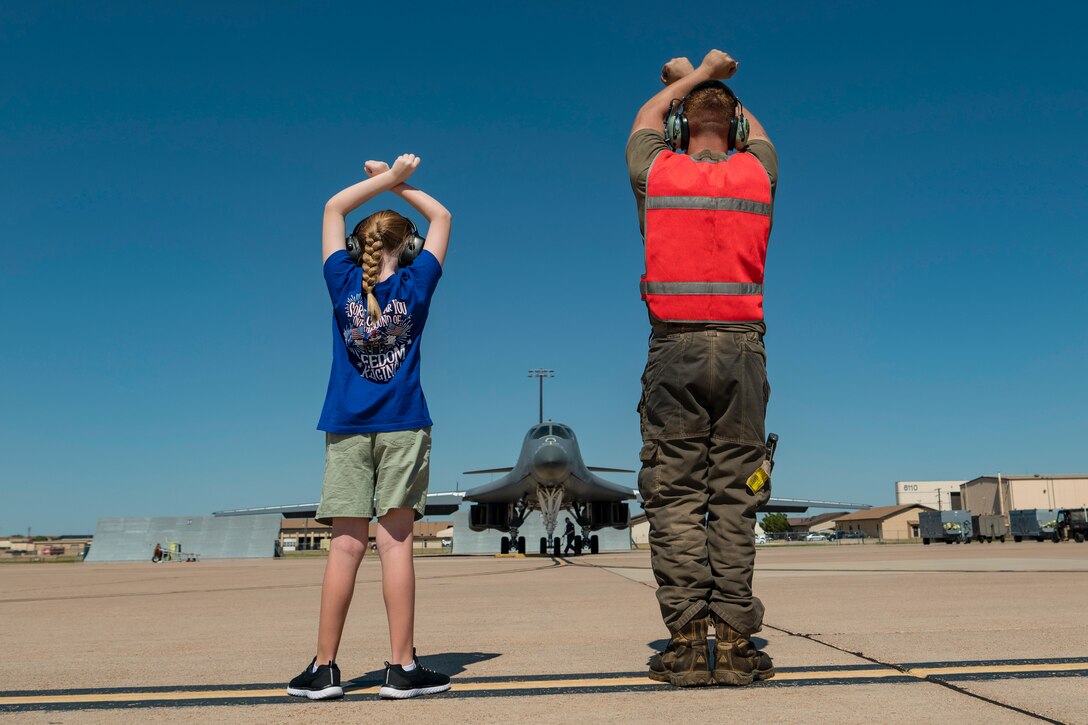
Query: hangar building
1001	494
940	495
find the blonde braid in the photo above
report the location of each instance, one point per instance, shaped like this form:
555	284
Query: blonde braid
372	267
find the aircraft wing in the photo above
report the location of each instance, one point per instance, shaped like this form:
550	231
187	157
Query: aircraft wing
438	504
612	489
798	505
508	488
443	504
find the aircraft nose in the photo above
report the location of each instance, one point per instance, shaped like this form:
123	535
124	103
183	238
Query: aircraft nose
550	463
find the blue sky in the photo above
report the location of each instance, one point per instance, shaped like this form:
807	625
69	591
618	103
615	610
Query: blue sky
165	327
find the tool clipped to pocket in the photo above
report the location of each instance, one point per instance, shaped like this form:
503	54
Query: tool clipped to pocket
762	475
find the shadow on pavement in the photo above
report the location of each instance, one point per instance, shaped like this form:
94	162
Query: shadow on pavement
448	663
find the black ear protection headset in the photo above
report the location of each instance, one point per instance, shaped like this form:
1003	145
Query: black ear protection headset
677	133
412	248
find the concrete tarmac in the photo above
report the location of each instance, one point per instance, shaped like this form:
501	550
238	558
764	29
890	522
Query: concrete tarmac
859	634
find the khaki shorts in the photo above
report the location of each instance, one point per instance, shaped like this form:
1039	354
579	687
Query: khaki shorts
367	474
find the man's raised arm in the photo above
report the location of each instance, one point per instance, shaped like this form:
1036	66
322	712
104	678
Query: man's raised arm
715	66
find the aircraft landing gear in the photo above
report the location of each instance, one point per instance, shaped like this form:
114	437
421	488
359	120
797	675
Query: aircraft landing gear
588	540
543	545
555	546
512	543
577	545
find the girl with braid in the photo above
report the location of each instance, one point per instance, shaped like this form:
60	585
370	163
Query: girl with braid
375	418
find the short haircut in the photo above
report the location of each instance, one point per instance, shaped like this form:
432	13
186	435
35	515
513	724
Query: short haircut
709	108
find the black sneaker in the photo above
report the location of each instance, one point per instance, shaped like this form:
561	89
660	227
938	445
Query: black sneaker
320	684
400	685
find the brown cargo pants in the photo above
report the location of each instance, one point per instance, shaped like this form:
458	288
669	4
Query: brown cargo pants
704	401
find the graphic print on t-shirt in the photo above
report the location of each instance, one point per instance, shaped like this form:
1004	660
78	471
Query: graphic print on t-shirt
377	349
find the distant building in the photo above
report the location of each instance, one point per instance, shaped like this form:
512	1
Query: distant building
309	535
890	523
940	495
1001	494
819	523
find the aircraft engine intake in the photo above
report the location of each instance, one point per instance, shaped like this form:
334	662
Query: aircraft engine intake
609	513
484	516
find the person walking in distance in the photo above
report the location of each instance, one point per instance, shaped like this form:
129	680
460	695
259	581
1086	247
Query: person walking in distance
704	174
377	426
570	533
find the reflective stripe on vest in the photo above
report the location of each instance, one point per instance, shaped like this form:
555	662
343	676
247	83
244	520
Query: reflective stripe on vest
699	288
707	225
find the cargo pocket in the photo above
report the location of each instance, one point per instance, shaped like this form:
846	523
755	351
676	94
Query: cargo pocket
648	484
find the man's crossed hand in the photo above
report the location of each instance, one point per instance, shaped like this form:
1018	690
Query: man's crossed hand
717	64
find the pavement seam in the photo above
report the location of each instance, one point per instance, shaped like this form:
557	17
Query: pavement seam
917	674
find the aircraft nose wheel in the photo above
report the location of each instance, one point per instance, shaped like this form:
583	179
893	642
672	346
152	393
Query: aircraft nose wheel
594	544
555	546
543	545
521	544
504	545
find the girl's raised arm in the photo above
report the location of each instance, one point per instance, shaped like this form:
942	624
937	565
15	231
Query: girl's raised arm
438	217
344	202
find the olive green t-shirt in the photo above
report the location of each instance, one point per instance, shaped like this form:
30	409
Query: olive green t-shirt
644	146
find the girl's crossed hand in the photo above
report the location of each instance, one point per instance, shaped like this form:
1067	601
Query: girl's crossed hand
373	168
404	166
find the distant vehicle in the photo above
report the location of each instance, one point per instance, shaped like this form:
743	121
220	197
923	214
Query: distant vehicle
988	527
816	536
52	550
1035	524
761	538
848	535
447	543
1071	524
951	527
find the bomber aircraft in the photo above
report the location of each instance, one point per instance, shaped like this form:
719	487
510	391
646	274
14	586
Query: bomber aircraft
549	476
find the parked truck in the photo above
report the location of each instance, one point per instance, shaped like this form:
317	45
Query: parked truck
988	527
1071	524
951	527
1035	524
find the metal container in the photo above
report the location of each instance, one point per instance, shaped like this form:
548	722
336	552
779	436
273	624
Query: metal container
989	527
1035	524
947	526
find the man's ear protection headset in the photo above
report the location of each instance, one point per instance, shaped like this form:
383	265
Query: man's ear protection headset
677	133
412	248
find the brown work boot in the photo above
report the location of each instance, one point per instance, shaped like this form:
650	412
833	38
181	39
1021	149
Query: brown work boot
685	662
736	660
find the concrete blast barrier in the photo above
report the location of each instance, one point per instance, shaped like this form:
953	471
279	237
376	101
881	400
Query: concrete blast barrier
210	537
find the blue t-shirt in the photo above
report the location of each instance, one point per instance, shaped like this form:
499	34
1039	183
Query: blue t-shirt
374	381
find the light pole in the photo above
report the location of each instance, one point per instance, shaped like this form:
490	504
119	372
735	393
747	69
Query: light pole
541	373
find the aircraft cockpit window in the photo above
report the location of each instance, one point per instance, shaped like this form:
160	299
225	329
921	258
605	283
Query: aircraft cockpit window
562	431
540	431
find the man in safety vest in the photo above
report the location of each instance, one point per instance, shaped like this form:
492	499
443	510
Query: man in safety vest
705	216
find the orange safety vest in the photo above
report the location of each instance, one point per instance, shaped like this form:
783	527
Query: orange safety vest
707	226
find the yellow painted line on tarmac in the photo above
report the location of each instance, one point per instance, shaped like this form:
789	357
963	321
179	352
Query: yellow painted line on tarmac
998	669
838	674
140	696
